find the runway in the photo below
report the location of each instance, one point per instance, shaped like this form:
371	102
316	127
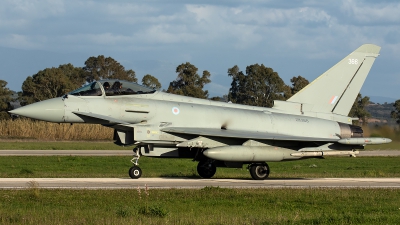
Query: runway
129	153
189	183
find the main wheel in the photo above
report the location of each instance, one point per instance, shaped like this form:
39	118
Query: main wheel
259	171
206	169
135	172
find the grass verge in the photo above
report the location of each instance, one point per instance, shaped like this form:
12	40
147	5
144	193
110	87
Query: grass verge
394	145
117	166
211	205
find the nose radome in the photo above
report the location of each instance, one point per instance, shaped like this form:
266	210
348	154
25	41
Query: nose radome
51	110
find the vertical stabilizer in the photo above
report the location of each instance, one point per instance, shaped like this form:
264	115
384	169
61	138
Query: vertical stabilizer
336	89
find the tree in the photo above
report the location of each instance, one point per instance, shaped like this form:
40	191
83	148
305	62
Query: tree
237	92
358	109
51	83
396	113
151	82
76	75
223	98
5	99
99	67
259	86
216	98
298	83
189	82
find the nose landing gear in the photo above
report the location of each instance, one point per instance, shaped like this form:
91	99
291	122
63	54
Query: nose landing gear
135	172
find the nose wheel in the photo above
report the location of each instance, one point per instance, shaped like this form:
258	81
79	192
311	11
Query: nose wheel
135	172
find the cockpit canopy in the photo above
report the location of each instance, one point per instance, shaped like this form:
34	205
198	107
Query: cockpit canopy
111	88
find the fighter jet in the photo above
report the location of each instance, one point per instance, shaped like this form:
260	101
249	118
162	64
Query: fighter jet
312	123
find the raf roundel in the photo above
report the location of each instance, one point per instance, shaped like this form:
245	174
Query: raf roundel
175	110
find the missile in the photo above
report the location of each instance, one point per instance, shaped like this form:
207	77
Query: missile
364	141
325	153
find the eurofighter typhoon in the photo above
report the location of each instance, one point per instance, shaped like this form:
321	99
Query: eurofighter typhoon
312	123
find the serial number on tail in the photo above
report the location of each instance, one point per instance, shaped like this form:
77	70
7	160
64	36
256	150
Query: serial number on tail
353	61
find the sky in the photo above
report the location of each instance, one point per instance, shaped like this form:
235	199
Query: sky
299	37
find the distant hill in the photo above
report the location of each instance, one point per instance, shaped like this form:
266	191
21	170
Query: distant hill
381	100
380	113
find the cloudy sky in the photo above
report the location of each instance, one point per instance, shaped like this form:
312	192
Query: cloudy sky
299	37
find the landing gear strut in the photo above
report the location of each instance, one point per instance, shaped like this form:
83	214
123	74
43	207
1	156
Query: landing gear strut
259	171
206	168
135	172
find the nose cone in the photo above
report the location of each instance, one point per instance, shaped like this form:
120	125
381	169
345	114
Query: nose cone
51	110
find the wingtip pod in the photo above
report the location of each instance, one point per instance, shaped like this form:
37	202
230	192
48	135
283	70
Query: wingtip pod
369	48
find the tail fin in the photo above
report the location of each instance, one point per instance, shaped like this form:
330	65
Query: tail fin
336	89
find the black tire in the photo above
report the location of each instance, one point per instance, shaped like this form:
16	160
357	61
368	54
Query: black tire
135	172
206	169
259	171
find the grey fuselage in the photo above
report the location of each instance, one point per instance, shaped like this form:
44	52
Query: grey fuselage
149	113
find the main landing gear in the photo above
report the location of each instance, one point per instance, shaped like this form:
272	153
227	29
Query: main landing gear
135	172
259	171
206	168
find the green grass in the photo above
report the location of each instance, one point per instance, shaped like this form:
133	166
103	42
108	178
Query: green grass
117	166
395	145
211	205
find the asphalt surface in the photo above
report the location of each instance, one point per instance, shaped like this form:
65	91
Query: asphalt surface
166	183
130	153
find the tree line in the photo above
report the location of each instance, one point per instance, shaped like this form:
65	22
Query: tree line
258	85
